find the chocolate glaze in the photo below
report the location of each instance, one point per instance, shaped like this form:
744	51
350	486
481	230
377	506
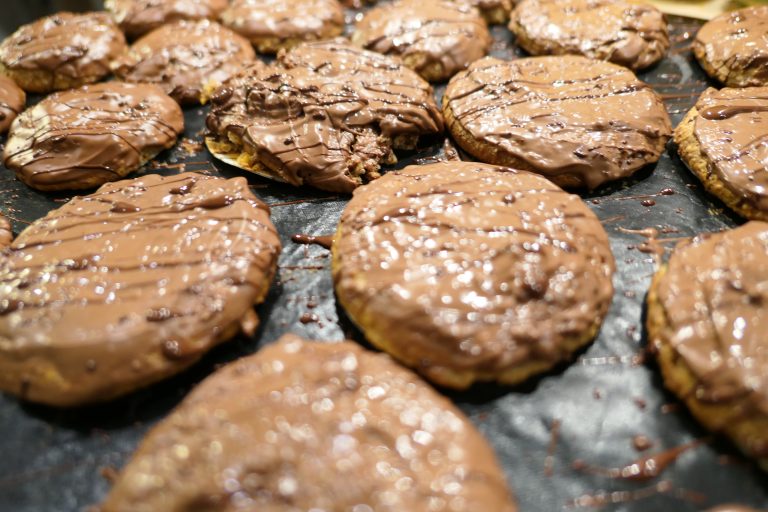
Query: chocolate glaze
6	235
12	101
93	134
323	241
96	301
714	294
431	32
184	56
631	34
137	17
68	44
577	121
737	40
313	426
324	113
471	267
732	130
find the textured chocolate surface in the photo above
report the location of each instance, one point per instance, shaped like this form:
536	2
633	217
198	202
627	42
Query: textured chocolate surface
91	135
137	17
12	101
184	56
121	288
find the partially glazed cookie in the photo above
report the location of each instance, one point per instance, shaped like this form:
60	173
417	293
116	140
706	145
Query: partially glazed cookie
127	286
626	32
707	321
733	48
325	114
12	102
272	25
84	137
61	51
138	17
185	58
313	426
579	122
722	140
437	38
470	272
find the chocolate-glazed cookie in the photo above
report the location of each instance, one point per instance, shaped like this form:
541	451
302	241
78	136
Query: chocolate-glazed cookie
437	38
707	321
625	32
137	17
467	271
6	234
185	58
12	101
577	121
61	51
733	48
272	25
724	141
122	288
325	114
313	426
495	12
84	137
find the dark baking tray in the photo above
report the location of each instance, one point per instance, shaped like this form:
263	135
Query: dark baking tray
588	411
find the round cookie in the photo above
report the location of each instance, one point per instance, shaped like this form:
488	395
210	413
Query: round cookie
138	17
127	286
272	25
579	122
6	233
12	102
626	32
733	47
313	426
723	140
707	321
470	272
495	12
84	137
185	58
61	51
437	38
326	114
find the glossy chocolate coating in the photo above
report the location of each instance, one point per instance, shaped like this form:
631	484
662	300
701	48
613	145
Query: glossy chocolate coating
137	17
306	426
124	287
12	101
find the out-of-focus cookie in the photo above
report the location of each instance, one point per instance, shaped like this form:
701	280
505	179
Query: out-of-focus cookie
495	12
470	272
733	47
138	17
626	32
84	137
310	426
707	321
722	140
12	102
437	38
127	286
272	25
62	51
6	234
577	121
326	114
185	58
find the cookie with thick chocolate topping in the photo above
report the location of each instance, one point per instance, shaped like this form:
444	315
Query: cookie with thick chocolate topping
733	47
495	12
6	234
84	137
470	272
127	286
724	141
272	25
62	51
437	38
626	32
577	121
707	321
310	426
185	58
325	114
12	101
138	17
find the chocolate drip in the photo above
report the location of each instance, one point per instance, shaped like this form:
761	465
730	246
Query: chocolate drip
720	113
322	241
137	17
